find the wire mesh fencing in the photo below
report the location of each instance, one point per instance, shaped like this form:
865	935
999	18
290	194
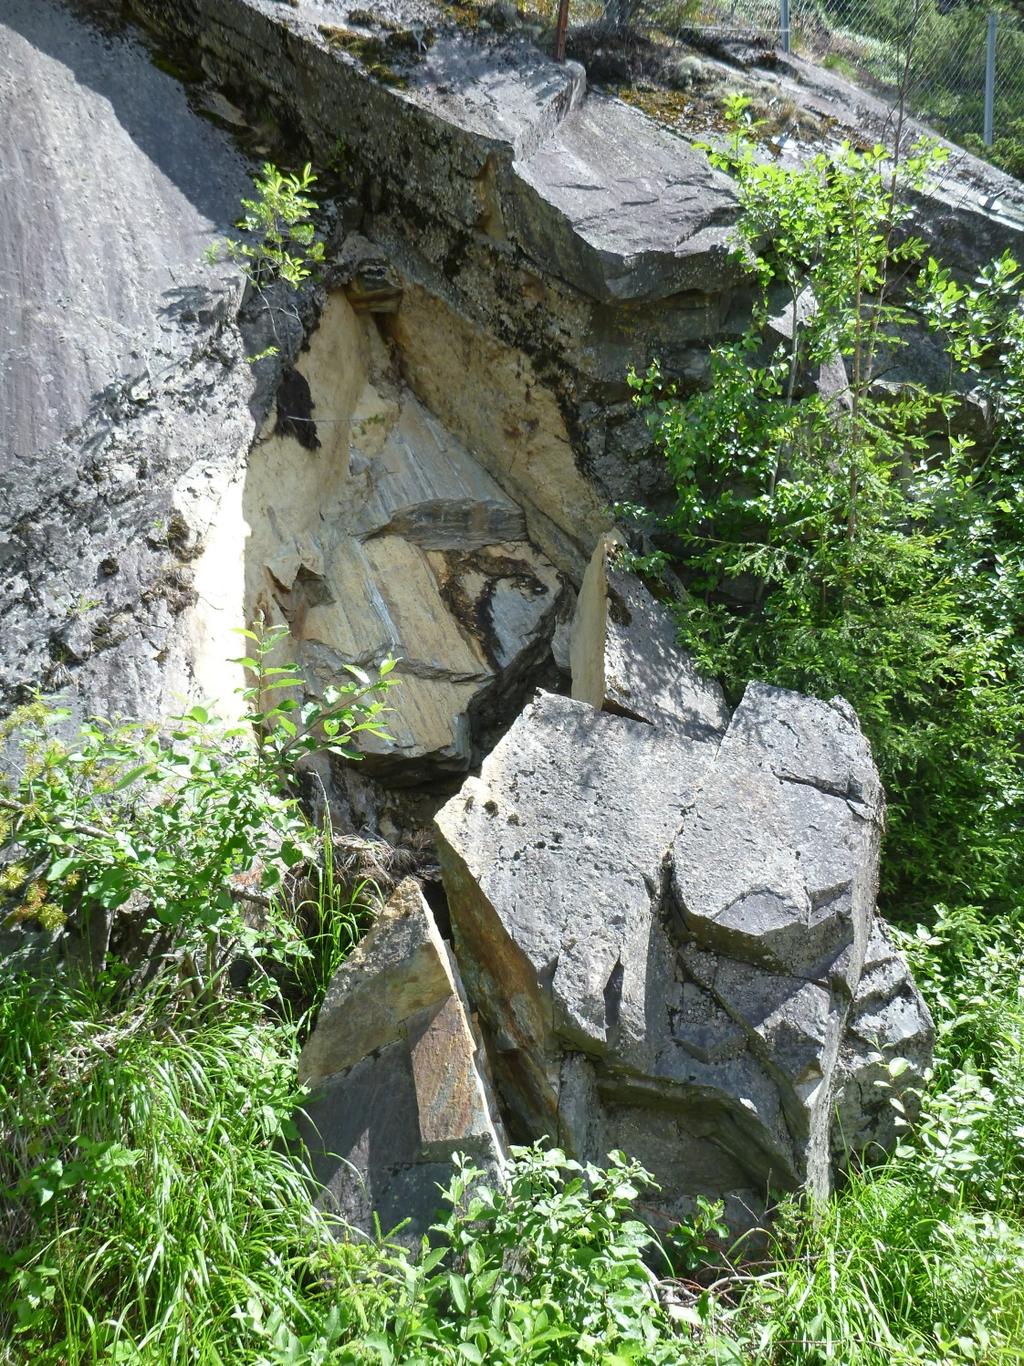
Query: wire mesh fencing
960	65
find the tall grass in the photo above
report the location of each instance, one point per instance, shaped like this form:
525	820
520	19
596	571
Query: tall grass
152	1212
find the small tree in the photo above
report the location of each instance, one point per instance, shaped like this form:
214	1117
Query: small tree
281	242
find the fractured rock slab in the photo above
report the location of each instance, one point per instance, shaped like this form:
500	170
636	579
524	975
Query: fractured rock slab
390	538
624	226
399	1080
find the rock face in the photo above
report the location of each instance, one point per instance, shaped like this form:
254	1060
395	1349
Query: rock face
120	372
665	928
158	491
388	537
888	1022
547	237
399	1081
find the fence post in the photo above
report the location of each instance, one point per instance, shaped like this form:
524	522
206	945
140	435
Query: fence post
784	24
560	30
990	79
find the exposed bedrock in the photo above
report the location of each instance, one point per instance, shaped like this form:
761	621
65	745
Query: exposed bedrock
121	372
158	490
667	921
370	530
399	1081
557	232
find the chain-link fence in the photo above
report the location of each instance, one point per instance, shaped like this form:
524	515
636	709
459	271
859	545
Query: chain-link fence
960	64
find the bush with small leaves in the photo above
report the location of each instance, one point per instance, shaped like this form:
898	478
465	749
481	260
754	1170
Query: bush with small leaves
280	241
194	827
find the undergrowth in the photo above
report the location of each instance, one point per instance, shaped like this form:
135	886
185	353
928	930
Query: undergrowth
156	1210
864	538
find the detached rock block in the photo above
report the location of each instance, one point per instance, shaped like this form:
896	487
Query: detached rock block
667	919
399	1079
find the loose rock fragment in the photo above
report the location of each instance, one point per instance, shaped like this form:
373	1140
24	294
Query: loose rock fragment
400	1082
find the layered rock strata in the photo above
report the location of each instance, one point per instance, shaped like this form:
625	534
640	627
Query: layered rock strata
547	236
371	530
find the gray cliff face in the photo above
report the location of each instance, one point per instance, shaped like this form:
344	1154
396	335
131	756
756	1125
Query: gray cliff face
110	190
663	928
121	374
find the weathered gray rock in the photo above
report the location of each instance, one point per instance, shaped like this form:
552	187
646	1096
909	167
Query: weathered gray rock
110	189
154	503
774	877
664	929
586	175
625	659
121	369
399	1082
885	1054
553	861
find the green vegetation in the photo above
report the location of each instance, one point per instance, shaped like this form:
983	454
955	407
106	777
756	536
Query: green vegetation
154	1214
855	543
280	241
945	87
868	542
176	826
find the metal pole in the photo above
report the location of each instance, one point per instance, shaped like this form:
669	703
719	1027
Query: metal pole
560	30
784	24
990	79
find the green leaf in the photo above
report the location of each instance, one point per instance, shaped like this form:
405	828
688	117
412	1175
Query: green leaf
132	776
459	1292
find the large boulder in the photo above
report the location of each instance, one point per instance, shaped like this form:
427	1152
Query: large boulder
398	1079
665	932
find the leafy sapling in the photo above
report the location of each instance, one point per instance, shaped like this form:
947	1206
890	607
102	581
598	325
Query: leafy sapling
192	830
280	242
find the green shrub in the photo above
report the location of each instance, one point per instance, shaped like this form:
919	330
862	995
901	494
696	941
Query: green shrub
848	545
280	241
548	1270
187	834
